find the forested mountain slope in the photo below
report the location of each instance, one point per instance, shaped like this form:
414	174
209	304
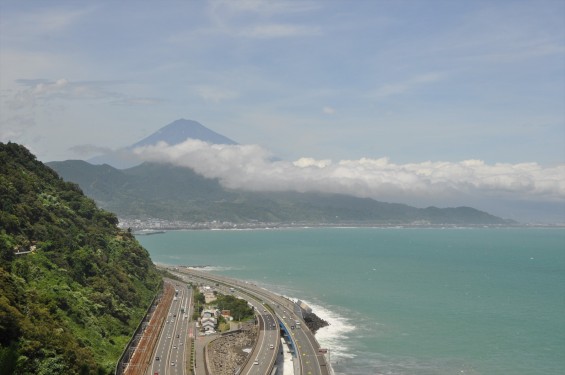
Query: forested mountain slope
70	302
175	193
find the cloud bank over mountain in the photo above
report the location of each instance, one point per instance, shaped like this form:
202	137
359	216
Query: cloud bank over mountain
252	167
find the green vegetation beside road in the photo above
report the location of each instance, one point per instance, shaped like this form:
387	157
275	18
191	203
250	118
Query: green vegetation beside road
239	308
71	300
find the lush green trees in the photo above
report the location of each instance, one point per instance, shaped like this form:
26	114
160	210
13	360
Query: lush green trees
239	308
69	303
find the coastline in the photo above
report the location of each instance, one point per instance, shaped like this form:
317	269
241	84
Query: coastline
333	336
392	331
287	307
327	326
161	225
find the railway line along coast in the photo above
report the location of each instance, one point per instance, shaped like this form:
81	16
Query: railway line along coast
276	341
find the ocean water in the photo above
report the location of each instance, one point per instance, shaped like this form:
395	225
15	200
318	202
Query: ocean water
405	301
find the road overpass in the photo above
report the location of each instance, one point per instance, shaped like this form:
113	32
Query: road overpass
272	310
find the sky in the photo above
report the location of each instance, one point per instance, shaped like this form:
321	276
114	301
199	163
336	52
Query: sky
422	102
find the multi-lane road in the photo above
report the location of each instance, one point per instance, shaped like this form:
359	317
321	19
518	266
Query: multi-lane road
170	355
272	309
264	353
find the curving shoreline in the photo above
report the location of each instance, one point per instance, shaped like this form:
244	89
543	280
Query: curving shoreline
285	309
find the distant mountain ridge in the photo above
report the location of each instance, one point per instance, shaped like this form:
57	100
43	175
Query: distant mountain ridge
174	133
175	193
134	190
180	130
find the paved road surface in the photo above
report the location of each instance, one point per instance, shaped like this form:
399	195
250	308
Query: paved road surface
308	359
264	353
170	355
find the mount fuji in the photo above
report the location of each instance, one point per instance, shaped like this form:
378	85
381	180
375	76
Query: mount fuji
174	133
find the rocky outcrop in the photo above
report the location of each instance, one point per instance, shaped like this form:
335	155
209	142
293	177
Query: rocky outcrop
314	322
226	354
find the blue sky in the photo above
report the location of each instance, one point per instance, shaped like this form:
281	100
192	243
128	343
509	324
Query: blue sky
410	81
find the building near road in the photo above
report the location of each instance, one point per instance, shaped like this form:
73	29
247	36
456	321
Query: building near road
209	297
208	321
208	325
209	314
209	294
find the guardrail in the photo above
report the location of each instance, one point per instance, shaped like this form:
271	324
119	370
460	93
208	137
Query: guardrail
259	318
325	366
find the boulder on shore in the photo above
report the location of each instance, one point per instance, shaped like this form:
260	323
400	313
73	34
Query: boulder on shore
314	322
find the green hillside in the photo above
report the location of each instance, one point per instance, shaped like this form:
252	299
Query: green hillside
175	193
70	302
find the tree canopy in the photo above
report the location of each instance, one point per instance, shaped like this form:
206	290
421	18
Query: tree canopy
73	285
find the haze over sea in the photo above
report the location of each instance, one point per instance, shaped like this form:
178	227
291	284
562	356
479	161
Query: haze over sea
406	301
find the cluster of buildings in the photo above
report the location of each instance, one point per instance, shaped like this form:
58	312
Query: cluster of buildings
208	320
162	224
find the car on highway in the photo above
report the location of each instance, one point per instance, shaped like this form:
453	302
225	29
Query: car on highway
256	362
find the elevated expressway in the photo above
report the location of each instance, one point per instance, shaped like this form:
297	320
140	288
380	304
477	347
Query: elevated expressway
273	310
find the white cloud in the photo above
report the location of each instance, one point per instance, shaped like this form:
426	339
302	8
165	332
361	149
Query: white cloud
267	31
215	94
251	167
138	101
328	110
40	22
397	88
12	128
37	90
311	162
265	8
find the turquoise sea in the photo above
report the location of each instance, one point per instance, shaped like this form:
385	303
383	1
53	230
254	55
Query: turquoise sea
406	301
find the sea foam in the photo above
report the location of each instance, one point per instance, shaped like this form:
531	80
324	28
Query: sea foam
334	337
212	268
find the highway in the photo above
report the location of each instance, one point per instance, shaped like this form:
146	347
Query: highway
169	357
264	354
308	360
